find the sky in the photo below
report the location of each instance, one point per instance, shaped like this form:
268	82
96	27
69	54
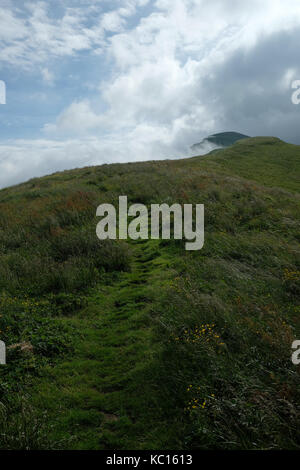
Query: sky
103	81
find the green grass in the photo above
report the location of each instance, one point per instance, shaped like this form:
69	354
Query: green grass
265	160
106	388
142	345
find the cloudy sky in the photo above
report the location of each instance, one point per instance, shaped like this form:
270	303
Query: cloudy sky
97	81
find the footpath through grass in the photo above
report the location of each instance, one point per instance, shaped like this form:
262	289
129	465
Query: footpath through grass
102	396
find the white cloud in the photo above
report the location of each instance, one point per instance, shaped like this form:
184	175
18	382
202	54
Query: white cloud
48	76
23	159
112	21
166	90
78	118
32	35
161	63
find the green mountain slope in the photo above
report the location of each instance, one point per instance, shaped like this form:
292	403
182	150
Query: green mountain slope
143	345
266	160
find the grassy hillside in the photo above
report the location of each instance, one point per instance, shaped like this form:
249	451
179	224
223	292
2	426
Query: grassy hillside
143	345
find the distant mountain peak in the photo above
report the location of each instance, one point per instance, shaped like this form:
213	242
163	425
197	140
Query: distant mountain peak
221	139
